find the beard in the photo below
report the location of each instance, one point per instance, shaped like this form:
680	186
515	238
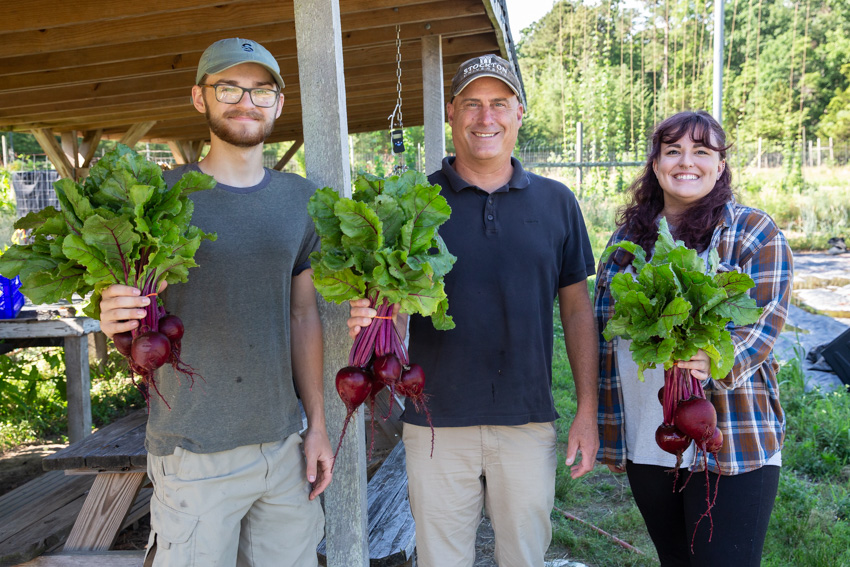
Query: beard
236	137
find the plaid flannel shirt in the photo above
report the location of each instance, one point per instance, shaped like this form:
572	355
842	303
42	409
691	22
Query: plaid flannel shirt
747	400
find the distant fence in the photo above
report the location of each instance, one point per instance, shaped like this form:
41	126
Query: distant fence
756	153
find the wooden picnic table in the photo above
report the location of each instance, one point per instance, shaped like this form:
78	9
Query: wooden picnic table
117	455
38	323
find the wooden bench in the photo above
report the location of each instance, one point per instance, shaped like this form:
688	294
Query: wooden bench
92	490
90	559
42	515
392	535
116	457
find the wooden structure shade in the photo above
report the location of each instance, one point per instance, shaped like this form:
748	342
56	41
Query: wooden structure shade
123	70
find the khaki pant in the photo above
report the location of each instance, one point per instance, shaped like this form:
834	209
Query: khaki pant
510	470
247	506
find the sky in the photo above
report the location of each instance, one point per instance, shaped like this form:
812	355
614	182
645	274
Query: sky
522	13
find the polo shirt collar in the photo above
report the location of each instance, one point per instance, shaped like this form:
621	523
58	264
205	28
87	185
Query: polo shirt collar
519	179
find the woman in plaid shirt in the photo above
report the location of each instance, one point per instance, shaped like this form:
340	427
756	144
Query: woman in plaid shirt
686	180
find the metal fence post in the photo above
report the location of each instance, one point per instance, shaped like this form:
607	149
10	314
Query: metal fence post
579	154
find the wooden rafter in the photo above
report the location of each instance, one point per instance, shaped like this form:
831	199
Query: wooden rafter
136	132
288	155
56	73
51	147
186	151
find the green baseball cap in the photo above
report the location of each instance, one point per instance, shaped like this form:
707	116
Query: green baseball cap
226	53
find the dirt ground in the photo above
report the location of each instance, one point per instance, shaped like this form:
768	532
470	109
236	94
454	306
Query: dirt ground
19	465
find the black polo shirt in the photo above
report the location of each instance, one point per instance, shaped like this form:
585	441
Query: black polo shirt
515	248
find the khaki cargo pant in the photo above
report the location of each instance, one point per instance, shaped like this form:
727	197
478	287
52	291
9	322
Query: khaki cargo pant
510	470
247	506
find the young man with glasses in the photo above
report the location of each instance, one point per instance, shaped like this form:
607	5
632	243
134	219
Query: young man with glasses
234	483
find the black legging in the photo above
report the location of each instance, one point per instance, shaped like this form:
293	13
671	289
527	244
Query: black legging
741	514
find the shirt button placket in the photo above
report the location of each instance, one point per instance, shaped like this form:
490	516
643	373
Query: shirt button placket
490	213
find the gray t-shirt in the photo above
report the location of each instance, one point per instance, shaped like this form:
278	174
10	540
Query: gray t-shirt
235	308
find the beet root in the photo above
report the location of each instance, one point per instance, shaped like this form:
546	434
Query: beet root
150	350
354	385
696	418
123	342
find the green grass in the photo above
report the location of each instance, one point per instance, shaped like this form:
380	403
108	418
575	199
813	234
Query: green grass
809	214
810	524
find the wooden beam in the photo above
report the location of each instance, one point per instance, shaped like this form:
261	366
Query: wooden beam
289	153
48	143
434	108
177	62
155	26
70	147
136	132
186	151
19	16
325	131
224	17
91	139
270	34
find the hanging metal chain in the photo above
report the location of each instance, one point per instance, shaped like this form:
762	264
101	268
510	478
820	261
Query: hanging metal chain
397	109
396	132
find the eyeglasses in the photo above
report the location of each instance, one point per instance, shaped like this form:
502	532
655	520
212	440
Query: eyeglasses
232	94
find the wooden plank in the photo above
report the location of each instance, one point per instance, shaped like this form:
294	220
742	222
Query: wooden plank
18	16
100	559
119	444
277	37
43	522
25	504
176	62
33	328
78	387
147	26
158	26
106	506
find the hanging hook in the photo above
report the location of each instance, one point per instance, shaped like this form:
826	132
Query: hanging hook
396	132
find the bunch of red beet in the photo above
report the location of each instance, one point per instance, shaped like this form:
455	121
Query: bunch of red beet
153	344
379	359
688	417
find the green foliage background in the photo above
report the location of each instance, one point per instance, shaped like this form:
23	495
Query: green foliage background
620	67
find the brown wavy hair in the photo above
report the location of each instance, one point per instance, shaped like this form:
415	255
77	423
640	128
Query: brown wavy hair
696	225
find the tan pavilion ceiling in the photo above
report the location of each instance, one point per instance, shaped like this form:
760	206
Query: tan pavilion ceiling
86	65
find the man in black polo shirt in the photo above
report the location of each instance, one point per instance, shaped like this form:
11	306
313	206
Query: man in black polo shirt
520	241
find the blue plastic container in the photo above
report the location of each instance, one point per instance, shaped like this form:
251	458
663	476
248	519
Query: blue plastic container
11	298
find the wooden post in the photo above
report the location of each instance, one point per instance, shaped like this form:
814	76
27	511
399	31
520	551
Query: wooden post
47	141
78	387
324	118
820	161
758	156
433	102
71	148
